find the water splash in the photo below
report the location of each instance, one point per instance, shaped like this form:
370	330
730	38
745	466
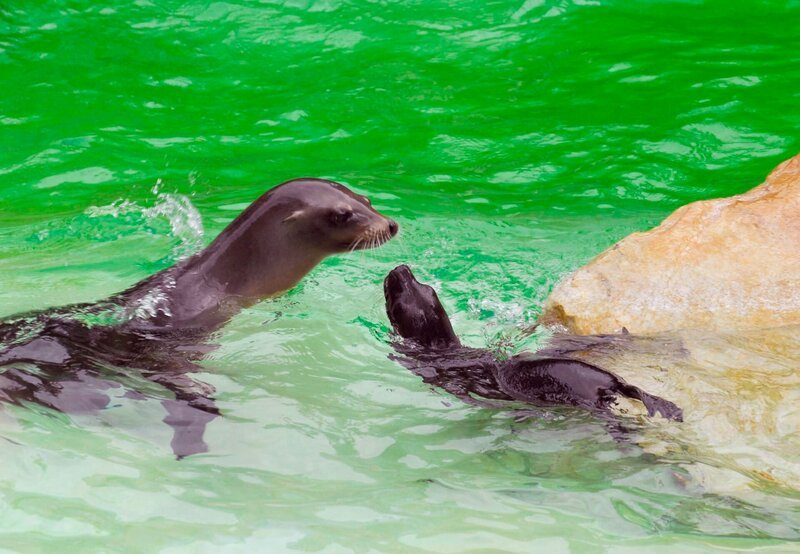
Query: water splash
154	301
508	325
501	313
185	222
171	216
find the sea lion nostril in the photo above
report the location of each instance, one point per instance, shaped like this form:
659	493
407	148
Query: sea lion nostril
393	227
400	273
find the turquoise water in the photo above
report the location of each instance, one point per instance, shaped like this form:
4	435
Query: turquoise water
512	141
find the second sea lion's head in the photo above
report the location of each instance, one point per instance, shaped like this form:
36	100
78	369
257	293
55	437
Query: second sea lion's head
415	311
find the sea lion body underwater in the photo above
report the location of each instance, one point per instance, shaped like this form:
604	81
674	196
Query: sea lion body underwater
159	324
431	349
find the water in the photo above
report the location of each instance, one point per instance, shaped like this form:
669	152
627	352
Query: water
512	141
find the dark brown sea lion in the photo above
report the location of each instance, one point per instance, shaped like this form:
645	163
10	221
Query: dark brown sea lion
431	349
158	326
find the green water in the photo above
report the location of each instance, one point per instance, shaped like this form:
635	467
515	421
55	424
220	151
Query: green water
511	140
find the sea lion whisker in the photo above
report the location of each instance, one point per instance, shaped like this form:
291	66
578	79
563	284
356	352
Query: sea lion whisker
355	244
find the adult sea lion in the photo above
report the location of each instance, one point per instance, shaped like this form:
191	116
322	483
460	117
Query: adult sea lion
158	325
431	349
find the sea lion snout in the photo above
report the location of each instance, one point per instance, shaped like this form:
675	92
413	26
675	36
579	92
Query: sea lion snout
400	285
375	228
396	277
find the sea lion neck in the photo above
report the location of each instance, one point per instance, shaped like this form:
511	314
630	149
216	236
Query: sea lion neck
252	259
256	262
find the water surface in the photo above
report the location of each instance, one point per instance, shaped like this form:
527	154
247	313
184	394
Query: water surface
512	141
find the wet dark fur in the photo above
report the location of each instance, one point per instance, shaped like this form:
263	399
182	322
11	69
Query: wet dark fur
431	349
58	359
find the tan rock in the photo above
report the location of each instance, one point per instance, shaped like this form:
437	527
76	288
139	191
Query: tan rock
730	263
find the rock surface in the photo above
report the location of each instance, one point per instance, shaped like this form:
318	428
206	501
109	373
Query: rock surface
725	264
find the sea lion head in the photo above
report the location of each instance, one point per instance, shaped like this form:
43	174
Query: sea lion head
281	236
329	217
415	311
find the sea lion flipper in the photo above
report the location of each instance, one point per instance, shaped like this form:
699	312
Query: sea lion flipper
654	404
197	394
189	412
188	424
666	408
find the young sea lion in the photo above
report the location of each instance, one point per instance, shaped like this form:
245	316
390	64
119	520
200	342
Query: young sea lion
157	326
432	349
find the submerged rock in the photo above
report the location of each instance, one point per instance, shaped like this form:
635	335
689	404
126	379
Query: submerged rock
730	263
740	395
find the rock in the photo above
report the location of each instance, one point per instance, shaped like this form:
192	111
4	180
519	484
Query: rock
725	264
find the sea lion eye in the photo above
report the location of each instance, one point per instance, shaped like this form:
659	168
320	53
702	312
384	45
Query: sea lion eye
342	216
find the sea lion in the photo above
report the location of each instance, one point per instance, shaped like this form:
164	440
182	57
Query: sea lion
431	349
159	324
265	251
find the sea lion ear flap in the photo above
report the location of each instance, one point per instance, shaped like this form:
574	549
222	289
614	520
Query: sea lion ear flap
294	215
